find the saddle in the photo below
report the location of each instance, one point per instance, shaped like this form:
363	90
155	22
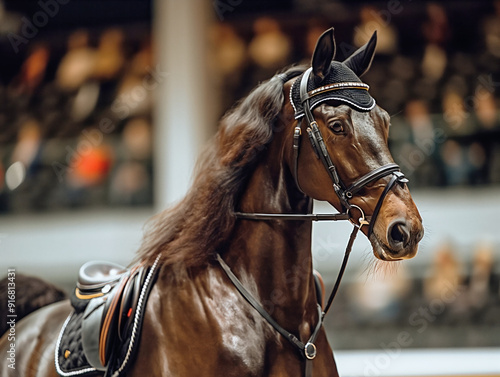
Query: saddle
101	333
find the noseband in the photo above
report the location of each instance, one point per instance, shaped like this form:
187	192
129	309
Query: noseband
344	193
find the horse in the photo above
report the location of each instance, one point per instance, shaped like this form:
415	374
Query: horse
235	292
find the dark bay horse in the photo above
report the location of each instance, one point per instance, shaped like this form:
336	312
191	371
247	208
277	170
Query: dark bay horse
265	159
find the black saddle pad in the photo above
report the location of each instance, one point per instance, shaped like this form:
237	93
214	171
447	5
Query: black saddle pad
70	358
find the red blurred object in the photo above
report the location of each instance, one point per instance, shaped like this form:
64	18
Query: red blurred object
92	167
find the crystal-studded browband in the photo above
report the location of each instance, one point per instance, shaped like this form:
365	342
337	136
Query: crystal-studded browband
338	86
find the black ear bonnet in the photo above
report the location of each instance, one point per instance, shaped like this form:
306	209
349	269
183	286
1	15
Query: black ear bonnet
341	84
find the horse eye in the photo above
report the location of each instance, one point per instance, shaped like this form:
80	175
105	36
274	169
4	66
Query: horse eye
337	127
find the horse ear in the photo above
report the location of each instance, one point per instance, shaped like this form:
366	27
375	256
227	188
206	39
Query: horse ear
324	52
360	61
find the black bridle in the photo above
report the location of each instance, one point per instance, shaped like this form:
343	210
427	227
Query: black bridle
344	193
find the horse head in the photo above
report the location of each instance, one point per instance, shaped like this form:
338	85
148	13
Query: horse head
347	161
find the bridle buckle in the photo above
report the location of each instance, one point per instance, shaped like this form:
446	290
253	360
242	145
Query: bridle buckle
400	178
362	219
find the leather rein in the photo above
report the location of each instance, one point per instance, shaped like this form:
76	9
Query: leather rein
344	193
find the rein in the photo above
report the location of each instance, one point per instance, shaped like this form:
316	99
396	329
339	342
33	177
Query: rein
307	350
344	193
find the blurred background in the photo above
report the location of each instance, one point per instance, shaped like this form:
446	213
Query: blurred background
105	104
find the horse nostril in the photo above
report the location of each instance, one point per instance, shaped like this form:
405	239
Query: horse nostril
398	235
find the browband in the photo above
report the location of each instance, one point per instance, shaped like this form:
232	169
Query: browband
338	86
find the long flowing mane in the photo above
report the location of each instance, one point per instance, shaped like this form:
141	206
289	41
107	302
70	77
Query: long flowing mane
193	230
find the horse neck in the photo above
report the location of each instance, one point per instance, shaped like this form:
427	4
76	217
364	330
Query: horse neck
273	258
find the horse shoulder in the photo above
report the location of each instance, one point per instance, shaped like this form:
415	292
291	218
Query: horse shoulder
199	325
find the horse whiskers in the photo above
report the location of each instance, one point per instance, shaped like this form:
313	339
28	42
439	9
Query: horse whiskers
388	269
376	268
397	113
